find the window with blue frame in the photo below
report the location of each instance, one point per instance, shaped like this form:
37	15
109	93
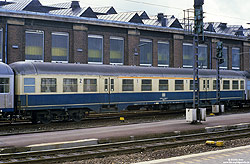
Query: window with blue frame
34	45
95	49
146	52
29	85
163	53
116	50
60	47
236	58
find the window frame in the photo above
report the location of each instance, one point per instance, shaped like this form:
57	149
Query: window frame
123	49
168	55
181	85
90	85
43	45
235	86
144	86
224	85
50	85
123	85
29	85
71	85
166	85
62	34
4	86
233	54
102	51
140	46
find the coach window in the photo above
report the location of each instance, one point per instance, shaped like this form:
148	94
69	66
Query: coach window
1	45
95	48
146	85
214	84
235	84
29	85
191	85
236	58
60	47
163	85
242	85
90	85
48	85
4	85
69	85
145	52
226	84
225	57
179	85
116	50
127	85
34	45
163	53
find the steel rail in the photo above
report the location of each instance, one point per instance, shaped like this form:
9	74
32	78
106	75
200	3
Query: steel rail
101	150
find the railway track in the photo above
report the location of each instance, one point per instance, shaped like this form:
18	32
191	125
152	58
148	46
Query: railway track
109	149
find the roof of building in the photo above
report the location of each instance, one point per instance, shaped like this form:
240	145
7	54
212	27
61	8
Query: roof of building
104	10
131	17
89	69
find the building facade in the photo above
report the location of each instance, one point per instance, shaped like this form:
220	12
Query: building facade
71	34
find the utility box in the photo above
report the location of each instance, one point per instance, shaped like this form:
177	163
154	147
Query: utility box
215	108
222	108
203	113
191	115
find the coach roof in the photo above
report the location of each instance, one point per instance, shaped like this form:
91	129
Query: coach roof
5	69
91	69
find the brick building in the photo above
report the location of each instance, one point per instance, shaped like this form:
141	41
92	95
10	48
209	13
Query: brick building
67	32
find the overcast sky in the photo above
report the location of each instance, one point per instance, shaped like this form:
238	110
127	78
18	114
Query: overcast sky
233	12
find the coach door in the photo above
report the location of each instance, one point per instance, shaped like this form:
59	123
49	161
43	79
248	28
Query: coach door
206	86
110	88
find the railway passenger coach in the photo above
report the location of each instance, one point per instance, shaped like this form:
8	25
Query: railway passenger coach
47	91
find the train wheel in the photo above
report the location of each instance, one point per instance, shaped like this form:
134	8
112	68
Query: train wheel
44	117
76	115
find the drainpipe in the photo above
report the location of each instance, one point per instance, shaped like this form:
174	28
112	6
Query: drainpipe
6	42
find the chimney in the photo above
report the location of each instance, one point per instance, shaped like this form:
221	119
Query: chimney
75	5
160	16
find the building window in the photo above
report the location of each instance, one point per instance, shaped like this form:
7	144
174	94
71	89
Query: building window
4	85
127	85
69	85
1	45
226	84
163	54
145	52
235	58
34	45
95	49
90	85
29	85
163	85
225	54
146	85
179	85
242	86
202	56
60	47
188	55
235	84
48	85
116	50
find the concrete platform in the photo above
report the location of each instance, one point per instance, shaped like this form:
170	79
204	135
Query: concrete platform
123	131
